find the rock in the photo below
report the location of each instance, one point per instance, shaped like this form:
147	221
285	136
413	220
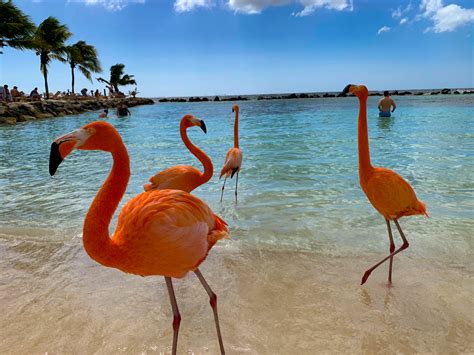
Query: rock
217	98
25	111
446	91
7	120
455	92
24	118
434	93
44	115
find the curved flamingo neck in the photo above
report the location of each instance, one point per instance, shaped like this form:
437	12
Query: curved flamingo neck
96	239
236	129
198	153
365	167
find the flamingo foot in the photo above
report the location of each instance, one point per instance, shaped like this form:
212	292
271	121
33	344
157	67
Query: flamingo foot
366	276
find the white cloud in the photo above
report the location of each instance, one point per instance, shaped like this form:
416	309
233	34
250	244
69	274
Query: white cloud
397	13
111	5
403	20
188	5
383	29
311	5
431	6
445	18
252	7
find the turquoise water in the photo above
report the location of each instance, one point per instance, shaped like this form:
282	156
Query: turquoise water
302	228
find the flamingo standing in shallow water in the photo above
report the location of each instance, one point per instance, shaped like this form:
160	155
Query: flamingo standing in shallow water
233	159
160	232
387	191
184	177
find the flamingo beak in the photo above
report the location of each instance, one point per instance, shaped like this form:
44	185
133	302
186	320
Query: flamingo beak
54	158
233	109
348	89
203	126
63	146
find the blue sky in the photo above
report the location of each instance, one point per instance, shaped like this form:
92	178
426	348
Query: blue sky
217	47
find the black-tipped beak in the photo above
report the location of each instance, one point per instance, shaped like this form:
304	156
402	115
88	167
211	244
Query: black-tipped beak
233	109
54	158
203	126
346	89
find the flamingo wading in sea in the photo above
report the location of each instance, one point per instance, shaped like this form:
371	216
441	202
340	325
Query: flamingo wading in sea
233	159
387	191
159	232
184	177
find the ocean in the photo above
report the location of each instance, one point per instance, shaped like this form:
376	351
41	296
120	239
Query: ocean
302	234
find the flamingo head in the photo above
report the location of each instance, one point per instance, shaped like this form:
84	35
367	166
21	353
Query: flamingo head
190	121
235	108
93	136
360	91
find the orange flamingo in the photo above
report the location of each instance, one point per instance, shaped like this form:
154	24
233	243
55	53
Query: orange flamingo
184	177
160	232
387	191
233	159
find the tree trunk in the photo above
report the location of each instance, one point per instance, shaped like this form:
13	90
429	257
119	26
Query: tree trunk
116	88
72	74
45	74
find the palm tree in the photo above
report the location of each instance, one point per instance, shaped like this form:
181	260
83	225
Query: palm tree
118	78
48	42
84	56
15	26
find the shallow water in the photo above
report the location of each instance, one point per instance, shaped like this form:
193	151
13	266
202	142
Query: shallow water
302	235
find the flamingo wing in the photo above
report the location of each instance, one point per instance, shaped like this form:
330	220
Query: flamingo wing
166	232
180	177
233	162
392	195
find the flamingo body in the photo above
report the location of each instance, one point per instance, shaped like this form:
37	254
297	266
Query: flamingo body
166	232
179	177
233	162
391	195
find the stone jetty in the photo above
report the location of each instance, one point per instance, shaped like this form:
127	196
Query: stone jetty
12	113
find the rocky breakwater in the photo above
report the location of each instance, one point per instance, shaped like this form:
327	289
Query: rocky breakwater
12	113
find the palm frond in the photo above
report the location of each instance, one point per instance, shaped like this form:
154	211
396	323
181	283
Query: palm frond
85	72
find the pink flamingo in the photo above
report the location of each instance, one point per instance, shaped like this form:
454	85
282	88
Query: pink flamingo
233	159
160	232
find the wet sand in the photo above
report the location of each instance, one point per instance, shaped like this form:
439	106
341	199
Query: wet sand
56	300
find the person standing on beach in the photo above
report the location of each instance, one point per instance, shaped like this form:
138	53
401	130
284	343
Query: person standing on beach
6	94
34	94
385	104
14	92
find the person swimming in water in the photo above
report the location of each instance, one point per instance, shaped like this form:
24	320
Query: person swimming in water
385	104
122	110
104	114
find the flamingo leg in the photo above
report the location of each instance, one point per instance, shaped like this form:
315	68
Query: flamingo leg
236	182
392	249
403	247
222	192
213	302
176	315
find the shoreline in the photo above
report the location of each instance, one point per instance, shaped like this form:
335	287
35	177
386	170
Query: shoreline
22	111
315	95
